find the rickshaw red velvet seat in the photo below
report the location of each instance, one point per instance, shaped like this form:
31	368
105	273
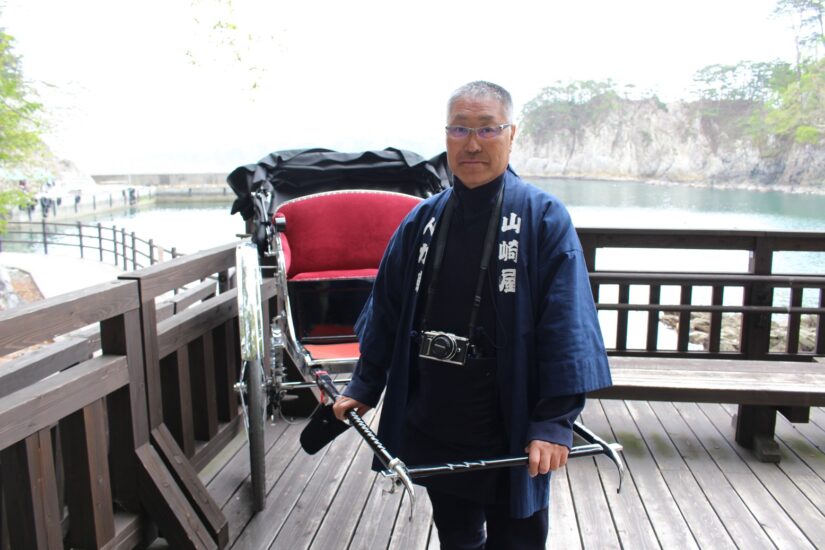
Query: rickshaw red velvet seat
332	244
327	352
340	234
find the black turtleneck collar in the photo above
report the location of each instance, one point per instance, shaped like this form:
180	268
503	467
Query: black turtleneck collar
478	199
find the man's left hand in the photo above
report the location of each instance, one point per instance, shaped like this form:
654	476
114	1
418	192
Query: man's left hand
545	457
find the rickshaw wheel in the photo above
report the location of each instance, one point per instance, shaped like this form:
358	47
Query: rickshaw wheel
251	328
256	416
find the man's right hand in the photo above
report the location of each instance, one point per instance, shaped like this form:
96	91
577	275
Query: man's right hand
344	403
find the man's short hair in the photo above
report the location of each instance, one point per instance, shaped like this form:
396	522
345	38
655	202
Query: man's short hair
483	89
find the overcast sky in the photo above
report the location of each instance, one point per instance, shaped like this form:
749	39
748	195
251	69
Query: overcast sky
149	86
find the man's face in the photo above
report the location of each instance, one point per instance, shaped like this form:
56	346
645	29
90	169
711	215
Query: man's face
473	160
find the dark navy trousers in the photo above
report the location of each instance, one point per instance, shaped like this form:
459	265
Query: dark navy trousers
461	524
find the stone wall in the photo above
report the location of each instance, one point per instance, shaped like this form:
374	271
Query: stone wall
160	180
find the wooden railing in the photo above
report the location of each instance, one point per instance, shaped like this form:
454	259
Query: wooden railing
761	313
712	313
103	428
111	245
71	420
190	347
108	411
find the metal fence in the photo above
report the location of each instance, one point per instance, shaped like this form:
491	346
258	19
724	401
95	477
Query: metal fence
108	244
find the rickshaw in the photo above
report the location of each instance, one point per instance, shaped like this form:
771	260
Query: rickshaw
318	222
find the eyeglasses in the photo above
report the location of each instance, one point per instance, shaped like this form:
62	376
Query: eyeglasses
484	132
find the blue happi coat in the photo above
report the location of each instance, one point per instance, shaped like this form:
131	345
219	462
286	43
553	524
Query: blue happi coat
551	344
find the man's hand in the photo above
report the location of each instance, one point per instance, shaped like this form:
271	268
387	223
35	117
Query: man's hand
344	403
545	457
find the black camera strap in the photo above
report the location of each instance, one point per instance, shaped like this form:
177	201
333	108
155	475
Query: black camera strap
440	248
438	259
485	259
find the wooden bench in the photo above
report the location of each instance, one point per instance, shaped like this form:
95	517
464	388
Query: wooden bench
760	388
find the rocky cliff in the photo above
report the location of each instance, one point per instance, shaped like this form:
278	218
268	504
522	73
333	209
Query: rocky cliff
699	142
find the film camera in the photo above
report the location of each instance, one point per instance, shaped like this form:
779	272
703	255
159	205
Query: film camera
444	346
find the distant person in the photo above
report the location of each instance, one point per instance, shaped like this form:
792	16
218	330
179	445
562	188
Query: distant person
45	206
482	328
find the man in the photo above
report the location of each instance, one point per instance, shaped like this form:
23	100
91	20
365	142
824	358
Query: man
481	326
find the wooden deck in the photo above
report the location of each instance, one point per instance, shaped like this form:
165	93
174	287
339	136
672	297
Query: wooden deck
161	397
687	486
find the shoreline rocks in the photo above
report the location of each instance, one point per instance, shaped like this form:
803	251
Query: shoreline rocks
730	339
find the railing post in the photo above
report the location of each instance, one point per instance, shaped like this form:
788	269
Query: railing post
751	420
685	299
654	298
794	322
100	239
123	243
820	327
151	252
224	282
589	249
28	470
715	336
174	255
621	318
43	232
134	251
92	520
756	327
114	238
80	237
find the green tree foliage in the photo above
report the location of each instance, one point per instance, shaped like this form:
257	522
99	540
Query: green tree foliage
567	107
806	17
799	109
20	126
786	101
800	112
737	98
745	81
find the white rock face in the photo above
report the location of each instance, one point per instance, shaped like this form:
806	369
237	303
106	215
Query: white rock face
677	142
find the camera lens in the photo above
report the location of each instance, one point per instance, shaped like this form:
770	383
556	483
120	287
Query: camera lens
443	347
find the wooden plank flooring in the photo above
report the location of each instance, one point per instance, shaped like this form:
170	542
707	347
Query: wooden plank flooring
688	485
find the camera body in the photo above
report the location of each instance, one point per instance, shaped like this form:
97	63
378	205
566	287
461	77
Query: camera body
444	346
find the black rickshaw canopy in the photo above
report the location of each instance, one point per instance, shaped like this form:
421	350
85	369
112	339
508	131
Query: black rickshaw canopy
298	172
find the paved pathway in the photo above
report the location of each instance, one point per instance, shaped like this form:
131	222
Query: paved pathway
56	274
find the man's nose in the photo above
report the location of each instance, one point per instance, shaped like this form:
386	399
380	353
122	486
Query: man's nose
472	145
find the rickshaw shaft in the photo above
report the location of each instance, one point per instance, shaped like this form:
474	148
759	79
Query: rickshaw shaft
304	385
327	385
415	472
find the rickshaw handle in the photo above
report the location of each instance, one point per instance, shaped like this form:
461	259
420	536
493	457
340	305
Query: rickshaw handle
595	446
392	464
